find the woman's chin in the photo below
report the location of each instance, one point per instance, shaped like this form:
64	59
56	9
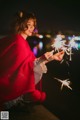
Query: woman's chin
30	34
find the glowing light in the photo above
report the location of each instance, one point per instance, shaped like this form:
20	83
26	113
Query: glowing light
48	36
60	44
40	36
40	45
35	50
65	82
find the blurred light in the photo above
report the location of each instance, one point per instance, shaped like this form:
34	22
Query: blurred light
75	45
69	37
40	45
40	36
48	36
78	45
77	38
35	50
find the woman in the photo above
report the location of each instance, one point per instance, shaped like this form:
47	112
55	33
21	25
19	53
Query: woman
20	70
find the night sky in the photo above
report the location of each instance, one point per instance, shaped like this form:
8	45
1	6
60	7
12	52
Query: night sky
51	15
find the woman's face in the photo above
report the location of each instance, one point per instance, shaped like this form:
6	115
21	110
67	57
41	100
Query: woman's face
30	27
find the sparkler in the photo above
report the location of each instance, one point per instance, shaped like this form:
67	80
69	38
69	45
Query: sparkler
60	44
64	82
67	46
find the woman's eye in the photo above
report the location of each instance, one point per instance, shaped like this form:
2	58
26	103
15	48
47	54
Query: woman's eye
30	25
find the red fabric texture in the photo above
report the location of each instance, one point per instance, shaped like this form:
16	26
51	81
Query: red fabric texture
38	96
16	68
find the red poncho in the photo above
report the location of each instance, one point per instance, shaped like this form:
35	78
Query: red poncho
16	68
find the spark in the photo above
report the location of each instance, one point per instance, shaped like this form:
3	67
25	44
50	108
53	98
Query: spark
60	44
65	61
64	82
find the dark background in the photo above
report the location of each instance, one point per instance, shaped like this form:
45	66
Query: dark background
53	15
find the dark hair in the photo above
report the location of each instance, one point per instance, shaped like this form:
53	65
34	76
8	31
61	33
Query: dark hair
19	22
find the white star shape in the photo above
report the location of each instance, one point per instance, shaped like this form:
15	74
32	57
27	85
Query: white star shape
64	82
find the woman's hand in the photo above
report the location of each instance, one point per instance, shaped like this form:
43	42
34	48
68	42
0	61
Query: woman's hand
49	56
57	56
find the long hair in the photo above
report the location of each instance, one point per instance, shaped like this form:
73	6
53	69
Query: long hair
19	23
